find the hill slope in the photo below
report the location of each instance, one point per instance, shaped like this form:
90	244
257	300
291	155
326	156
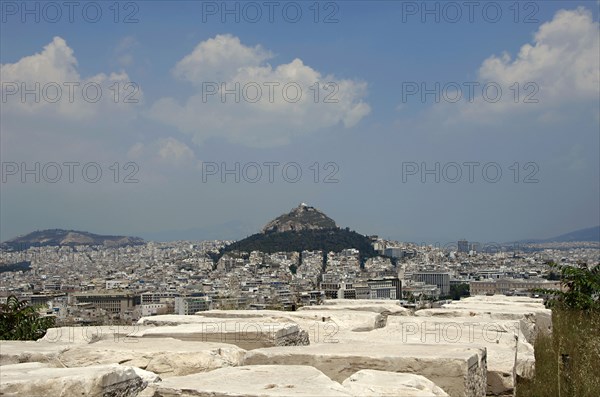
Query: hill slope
60	237
300	218
326	240
589	234
303	228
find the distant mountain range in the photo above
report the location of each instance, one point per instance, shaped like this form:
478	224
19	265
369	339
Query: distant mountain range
588	234
60	237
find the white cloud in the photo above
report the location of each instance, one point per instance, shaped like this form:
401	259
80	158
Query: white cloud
219	58
564	59
173	151
80	130
60	89
123	51
557	74
268	111
136	151
55	63
163	151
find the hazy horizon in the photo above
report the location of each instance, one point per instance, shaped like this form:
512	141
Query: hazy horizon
218	233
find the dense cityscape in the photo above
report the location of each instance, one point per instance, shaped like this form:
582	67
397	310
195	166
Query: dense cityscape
99	285
234	311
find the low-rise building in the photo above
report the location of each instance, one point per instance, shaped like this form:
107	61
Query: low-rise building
112	302
507	286
439	279
188	305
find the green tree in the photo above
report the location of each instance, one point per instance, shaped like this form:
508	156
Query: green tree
459	290
20	321
580	287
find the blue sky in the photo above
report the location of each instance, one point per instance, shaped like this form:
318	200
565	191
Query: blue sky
373	53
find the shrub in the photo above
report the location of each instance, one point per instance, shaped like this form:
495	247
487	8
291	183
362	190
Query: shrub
20	321
581	287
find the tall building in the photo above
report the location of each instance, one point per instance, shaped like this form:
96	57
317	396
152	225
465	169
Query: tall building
463	246
439	279
475	247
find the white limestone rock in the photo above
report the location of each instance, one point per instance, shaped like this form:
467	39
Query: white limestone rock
541	317
59	340
90	334
163	356
243	332
15	352
538	302
350	320
340	320
368	382
384	307
39	380
528	320
508	354
458	370
147	376
252	381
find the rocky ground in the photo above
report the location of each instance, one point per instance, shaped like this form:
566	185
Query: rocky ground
474	347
